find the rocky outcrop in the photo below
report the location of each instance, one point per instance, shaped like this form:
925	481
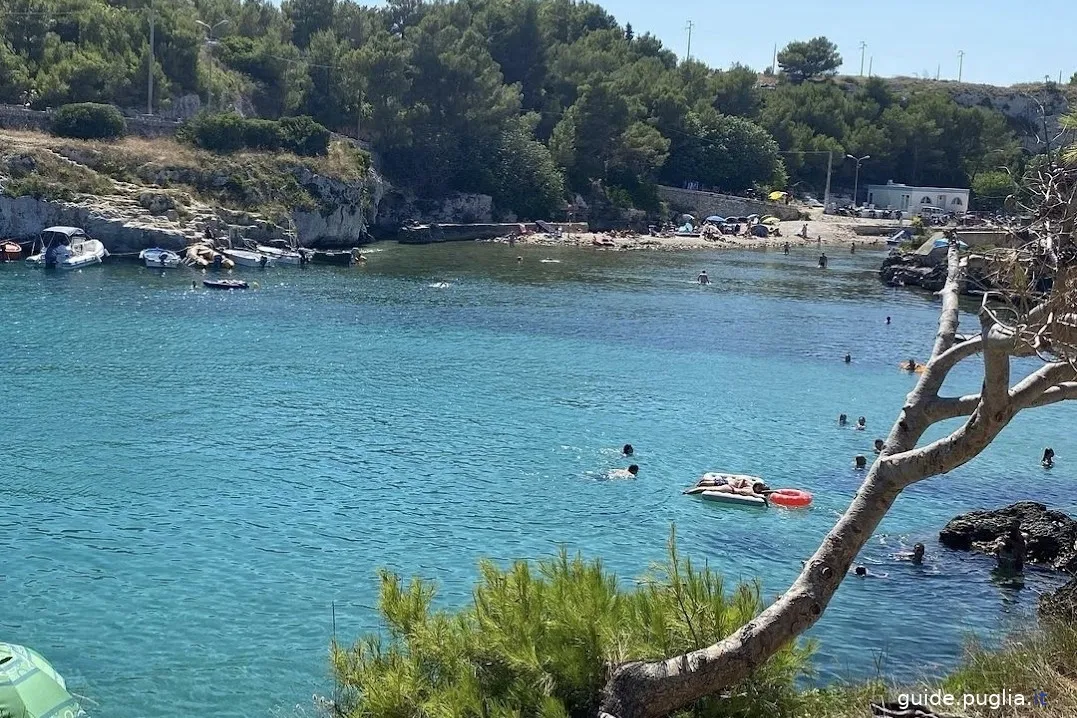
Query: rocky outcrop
398	206
1051	536
1061	604
910	269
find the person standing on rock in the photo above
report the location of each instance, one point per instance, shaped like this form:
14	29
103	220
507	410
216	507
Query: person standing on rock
1010	551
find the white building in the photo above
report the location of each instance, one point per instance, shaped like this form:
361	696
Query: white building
913	199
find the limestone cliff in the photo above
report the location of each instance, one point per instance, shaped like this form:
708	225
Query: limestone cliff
139	193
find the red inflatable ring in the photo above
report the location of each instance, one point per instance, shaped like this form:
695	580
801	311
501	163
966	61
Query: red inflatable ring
790	498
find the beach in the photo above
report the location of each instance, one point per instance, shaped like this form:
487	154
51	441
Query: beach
823	230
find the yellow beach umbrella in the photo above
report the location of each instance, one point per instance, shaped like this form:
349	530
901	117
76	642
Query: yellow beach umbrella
776	196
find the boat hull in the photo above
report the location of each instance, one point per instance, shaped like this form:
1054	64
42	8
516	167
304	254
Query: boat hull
160	258
248	259
340	259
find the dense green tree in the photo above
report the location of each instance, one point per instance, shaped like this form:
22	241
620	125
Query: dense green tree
526	179
990	190
14	76
803	60
735	92
308	18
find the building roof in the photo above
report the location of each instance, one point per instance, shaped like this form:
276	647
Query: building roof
895	185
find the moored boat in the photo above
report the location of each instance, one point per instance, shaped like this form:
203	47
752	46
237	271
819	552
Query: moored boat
282	256
203	255
158	257
224	284
10	251
246	258
340	258
67	248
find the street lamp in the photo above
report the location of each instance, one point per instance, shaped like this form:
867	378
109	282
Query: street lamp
211	29
856	182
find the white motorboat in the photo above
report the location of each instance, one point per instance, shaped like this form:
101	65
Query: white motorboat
282	256
67	248
246	258
158	257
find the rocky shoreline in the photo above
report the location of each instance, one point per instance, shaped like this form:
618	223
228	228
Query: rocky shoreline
1050	541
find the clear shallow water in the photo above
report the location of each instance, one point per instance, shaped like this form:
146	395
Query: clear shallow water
192	479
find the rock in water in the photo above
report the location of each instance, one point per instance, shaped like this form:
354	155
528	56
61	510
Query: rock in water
1051	535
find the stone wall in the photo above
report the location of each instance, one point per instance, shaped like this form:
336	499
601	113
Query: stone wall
13	117
704	204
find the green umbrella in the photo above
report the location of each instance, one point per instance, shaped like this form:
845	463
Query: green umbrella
30	688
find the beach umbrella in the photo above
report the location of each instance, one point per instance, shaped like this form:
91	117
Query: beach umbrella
687	218
715	219
30	688
772	221
776	196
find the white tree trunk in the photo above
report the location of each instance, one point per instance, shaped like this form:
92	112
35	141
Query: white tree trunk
649	689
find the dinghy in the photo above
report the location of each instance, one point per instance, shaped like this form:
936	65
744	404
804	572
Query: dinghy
224	284
282	256
158	257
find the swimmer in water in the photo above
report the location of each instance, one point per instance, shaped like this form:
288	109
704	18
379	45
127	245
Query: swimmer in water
888	321
910	365
703	278
863	572
861	424
1048	458
628	450
879	445
842	420
861	462
848	358
629	473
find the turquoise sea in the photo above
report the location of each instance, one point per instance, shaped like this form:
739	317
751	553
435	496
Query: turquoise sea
192	480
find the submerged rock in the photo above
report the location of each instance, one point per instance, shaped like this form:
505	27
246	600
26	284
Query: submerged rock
1051	535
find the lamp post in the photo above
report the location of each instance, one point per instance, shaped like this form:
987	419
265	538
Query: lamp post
856	182
210	30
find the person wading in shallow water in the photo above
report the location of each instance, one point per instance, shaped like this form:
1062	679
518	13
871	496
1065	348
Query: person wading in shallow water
1010	552
1048	458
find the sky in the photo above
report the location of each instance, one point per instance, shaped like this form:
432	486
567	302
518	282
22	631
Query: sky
1005	42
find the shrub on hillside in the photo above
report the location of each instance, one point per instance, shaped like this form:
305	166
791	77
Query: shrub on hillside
218	133
89	121
303	136
230	133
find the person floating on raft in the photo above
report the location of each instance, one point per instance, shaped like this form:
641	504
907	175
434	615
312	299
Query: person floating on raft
912	367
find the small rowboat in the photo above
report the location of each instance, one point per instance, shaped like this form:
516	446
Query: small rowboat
158	257
343	259
10	251
224	284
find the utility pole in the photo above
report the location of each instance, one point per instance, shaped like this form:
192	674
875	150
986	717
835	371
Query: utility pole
871	61
863	46
689	27
149	69
829	169
774	61
938	71
960	64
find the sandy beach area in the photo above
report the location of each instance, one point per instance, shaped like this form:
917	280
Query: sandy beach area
823	230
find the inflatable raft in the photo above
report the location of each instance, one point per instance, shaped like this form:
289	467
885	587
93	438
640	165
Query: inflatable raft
725	497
